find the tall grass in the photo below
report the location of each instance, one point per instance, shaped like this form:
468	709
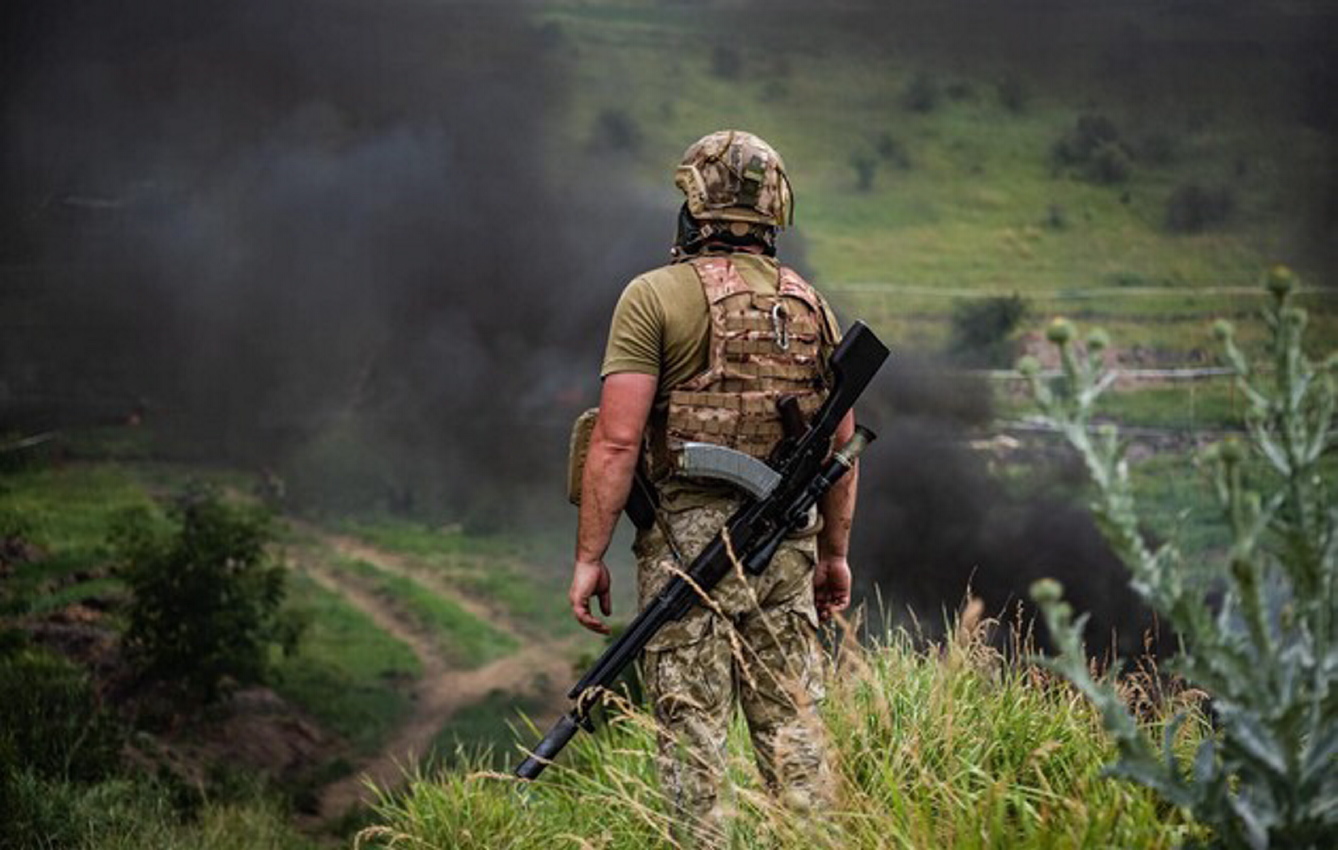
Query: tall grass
954	747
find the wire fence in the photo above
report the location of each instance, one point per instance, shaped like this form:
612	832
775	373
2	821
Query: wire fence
1090	293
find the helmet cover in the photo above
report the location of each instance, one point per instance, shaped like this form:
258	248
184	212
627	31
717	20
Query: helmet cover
732	175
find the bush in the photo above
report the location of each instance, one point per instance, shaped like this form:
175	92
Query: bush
1193	208
617	131
206	597
893	152
1093	151
1158	149
865	168
982	329
1259	627
1110	163
921	93
1013	95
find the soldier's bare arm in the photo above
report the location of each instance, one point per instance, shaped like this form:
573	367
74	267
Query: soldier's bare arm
624	405
831	579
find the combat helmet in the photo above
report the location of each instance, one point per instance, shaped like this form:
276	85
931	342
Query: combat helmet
734	181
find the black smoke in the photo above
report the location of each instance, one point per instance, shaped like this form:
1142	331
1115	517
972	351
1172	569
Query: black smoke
337	239
938	520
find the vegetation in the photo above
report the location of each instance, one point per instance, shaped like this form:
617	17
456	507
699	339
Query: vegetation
51	722
955	747
132	814
1259	626
1193	208
463	637
348	674
206	598
982	330
483	734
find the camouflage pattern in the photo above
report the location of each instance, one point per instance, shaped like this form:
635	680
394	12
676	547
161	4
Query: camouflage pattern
732	175
756	641
763	346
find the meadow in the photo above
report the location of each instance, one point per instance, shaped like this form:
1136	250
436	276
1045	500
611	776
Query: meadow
925	182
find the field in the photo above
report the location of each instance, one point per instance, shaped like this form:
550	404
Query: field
930	181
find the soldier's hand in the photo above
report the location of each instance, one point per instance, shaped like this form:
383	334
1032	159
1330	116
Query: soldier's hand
590	578
831	586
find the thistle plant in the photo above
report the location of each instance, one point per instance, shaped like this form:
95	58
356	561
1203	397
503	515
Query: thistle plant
1256	624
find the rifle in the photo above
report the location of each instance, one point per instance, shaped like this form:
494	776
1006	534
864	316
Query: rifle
782	495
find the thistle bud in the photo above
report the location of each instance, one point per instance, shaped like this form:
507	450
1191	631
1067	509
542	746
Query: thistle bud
1046	591
1280	280
1231	451
1060	331
1223	330
1098	340
1029	366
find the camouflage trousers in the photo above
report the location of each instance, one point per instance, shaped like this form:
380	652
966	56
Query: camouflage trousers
755	645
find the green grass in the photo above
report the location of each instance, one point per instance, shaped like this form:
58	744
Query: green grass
408	537
499	571
972	210
465	639
347	673
124	814
67	512
956	749
68	509
483	733
968	210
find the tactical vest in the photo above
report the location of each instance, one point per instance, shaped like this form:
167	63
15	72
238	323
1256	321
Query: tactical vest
762	347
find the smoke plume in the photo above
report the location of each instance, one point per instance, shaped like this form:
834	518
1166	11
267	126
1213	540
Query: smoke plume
332	237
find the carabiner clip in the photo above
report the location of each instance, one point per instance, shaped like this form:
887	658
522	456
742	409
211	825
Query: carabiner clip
778	323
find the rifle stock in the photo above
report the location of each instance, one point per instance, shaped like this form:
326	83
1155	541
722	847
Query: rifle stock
808	470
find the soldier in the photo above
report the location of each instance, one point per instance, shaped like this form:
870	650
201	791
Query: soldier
701	350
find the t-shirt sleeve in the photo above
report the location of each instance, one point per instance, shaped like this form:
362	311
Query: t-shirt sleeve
636	333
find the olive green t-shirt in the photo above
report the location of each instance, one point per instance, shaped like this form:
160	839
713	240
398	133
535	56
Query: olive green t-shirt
662	327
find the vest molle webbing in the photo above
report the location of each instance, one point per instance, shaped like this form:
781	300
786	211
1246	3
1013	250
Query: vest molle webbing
763	347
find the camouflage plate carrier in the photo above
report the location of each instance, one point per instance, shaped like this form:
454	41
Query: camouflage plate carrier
763	347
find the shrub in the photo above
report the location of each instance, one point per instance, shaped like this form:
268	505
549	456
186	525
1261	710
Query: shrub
1193	208
1093	151
1158	149
1259	626
1109	164
615	130
1013	95
892	151
982	329
1056	217
865	168
206	597
921	93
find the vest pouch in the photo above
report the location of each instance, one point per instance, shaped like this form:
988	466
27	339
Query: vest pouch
578	449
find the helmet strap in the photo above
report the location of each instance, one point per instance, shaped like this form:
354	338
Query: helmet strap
695	235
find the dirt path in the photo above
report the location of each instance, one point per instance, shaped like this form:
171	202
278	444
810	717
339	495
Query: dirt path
539	668
405	567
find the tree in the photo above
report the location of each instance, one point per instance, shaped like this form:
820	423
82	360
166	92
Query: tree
206	594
